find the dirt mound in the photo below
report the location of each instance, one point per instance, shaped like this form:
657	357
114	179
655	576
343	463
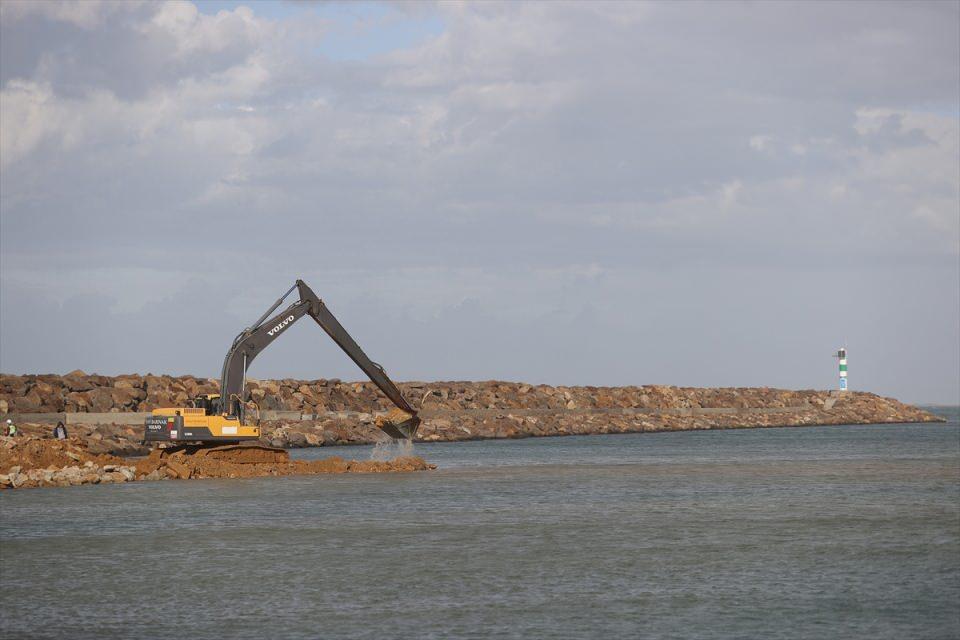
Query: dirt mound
247	455
44	453
29	461
37	462
251	462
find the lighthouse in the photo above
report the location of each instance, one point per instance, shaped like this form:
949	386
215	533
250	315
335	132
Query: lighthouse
842	358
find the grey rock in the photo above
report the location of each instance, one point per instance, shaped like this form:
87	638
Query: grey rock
296	439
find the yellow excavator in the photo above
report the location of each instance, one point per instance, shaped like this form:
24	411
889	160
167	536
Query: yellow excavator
220	419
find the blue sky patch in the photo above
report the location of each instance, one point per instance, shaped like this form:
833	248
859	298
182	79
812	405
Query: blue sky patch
358	30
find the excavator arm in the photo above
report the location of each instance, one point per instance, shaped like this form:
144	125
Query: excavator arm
262	333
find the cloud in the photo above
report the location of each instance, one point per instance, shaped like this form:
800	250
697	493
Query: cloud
760	142
525	155
85	15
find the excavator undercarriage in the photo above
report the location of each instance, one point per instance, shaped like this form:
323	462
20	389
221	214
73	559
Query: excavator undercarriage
217	424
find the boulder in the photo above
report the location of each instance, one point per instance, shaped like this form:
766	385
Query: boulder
270	387
75	382
296	439
124	398
30	403
43	388
180	470
101	400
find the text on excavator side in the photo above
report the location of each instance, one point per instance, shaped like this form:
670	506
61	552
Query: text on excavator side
280	326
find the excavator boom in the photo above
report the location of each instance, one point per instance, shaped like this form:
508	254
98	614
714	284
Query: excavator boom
251	341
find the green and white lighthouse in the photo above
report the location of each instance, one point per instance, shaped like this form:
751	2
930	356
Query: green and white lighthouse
842	359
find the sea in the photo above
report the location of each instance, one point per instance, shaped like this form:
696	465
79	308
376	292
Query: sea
813	532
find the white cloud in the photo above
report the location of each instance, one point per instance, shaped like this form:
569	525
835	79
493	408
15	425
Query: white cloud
86	15
196	34
761	142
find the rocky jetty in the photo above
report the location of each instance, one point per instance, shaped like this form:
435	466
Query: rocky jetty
440	425
78	392
308	413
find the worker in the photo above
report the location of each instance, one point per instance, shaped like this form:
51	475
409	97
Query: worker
11	428
60	431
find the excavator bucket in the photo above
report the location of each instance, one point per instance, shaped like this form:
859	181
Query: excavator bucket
398	424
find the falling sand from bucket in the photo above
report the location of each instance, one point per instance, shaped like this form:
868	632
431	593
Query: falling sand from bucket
389	450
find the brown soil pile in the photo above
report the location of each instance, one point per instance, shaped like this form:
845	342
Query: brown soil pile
250	462
40	453
244	455
38	462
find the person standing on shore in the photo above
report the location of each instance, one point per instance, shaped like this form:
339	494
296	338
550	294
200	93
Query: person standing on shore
60	431
11	428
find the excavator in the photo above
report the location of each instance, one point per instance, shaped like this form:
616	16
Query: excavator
219	421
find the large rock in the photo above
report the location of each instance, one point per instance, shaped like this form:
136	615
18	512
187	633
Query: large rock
101	399
270	387
29	403
296	439
74	381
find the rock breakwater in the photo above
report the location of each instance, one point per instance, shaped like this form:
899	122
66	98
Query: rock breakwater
309	413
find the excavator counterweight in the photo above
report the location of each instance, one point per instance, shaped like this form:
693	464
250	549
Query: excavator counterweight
221	419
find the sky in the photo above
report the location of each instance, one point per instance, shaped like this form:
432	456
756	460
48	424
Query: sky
694	194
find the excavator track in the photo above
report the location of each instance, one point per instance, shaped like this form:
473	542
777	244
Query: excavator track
236	453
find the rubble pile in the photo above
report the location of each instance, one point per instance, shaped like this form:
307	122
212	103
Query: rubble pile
183	466
113	439
28	461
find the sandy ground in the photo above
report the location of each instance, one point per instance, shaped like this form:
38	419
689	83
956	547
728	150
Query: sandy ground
28	461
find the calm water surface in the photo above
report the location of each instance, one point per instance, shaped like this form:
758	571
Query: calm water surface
842	532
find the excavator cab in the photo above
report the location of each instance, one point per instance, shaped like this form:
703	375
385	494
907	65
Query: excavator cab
210	403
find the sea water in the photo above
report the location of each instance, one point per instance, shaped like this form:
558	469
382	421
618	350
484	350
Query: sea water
819	532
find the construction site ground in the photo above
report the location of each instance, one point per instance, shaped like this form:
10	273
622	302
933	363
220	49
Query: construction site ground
31	461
